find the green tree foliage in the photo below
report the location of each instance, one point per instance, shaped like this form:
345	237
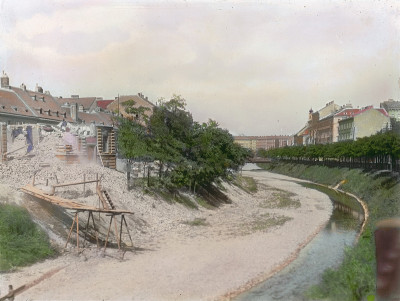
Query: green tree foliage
188	154
382	148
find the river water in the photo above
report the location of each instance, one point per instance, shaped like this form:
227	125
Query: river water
326	250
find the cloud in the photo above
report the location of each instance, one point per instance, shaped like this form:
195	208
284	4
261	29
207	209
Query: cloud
245	64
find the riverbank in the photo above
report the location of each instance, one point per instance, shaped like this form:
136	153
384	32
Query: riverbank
233	248
380	190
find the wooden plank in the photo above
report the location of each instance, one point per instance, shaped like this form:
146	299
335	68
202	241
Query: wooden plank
76	183
67	204
102	199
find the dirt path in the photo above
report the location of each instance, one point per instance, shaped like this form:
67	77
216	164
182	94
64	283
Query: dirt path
239	245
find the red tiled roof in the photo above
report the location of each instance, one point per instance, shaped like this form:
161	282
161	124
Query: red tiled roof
104	103
348	112
10	103
108	118
96	117
139	101
86	102
383	111
40	102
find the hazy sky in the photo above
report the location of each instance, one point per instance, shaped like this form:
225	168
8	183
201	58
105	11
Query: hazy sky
256	67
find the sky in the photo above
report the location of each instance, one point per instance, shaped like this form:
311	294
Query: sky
256	67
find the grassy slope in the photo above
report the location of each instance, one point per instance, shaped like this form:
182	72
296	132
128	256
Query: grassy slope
22	242
355	278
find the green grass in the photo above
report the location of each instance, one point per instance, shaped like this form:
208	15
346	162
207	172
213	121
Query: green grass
203	203
22	242
267	220
354	279
172	197
197	222
248	184
281	199
337	196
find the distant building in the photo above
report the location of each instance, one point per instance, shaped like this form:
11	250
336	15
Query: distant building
264	142
118	108
85	104
366	122
392	108
21	105
322	126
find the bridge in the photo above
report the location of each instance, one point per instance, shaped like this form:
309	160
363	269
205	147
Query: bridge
258	160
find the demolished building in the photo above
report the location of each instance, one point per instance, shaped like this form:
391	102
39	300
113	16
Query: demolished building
87	123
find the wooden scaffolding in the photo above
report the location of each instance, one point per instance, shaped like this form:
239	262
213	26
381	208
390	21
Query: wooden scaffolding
106	207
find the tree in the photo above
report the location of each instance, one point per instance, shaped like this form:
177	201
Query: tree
188	154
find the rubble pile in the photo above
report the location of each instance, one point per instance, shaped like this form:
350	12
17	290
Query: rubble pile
152	217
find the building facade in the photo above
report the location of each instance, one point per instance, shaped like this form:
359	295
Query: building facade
392	108
368	121
264	142
322	126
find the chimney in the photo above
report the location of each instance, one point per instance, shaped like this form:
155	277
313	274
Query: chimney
23	86
74	112
38	89
5	81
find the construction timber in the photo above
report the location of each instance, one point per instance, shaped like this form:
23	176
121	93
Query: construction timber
108	209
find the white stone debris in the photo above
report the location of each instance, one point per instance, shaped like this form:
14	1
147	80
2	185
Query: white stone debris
152	217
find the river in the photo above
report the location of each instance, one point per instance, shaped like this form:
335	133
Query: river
325	251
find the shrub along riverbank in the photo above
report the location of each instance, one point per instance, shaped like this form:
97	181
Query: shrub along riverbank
355	278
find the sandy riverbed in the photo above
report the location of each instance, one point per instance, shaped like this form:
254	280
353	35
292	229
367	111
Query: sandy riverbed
232	252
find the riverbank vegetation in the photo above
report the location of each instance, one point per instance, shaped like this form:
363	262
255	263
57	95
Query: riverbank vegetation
22	242
354	279
189	155
380	151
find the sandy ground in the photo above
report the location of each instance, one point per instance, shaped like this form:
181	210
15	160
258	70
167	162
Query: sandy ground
232	252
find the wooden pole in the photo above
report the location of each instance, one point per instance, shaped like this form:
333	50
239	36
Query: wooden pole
95	229
116	233
84	186
77	230
86	229
120	231
33	180
76	183
70	230
99	208
108	232
127	229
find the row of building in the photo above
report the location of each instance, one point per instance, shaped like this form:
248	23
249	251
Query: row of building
264	142
332	123
87	122
20	105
